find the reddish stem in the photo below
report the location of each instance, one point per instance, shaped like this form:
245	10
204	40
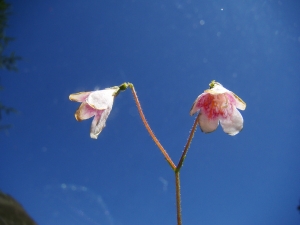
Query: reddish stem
161	148
186	148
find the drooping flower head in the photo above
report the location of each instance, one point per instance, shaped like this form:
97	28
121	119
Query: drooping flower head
98	104
217	104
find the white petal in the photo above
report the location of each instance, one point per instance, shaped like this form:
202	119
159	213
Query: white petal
207	125
99	123
102	99
195	108
234	124
79	97
217	89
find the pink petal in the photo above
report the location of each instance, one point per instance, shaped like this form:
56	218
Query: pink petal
99	123
196	106
84	112
79	97
207	125
233	124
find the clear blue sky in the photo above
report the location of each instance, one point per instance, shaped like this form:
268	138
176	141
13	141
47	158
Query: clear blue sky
170	51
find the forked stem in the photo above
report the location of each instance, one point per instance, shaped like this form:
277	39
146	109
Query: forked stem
164	152
161	148
177	170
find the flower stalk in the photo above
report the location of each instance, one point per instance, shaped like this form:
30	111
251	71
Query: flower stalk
161	148
186	148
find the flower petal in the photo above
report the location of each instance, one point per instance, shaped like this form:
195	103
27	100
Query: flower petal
84	112
234	124
99	123
196	106
240	104
207	125
102	99
79	97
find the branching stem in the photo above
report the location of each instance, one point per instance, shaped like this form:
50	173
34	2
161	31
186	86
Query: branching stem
164	152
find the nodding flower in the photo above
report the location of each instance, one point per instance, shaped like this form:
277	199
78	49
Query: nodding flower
217	104
95	103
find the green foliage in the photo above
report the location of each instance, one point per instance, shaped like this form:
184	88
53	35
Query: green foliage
7	61
5	110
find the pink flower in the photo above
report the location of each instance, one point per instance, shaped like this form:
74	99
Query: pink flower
218	104
97	104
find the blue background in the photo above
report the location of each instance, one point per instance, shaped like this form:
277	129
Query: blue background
170	50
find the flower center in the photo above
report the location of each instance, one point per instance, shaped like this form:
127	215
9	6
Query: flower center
215	106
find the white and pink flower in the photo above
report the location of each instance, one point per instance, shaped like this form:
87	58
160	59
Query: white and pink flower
218	104
95	103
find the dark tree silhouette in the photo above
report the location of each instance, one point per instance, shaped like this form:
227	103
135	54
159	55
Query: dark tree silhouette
11	212
7	61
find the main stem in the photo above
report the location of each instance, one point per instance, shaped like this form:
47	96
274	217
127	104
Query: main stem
161	148
178	198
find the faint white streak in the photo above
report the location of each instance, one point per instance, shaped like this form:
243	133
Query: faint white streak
87	205
164	182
